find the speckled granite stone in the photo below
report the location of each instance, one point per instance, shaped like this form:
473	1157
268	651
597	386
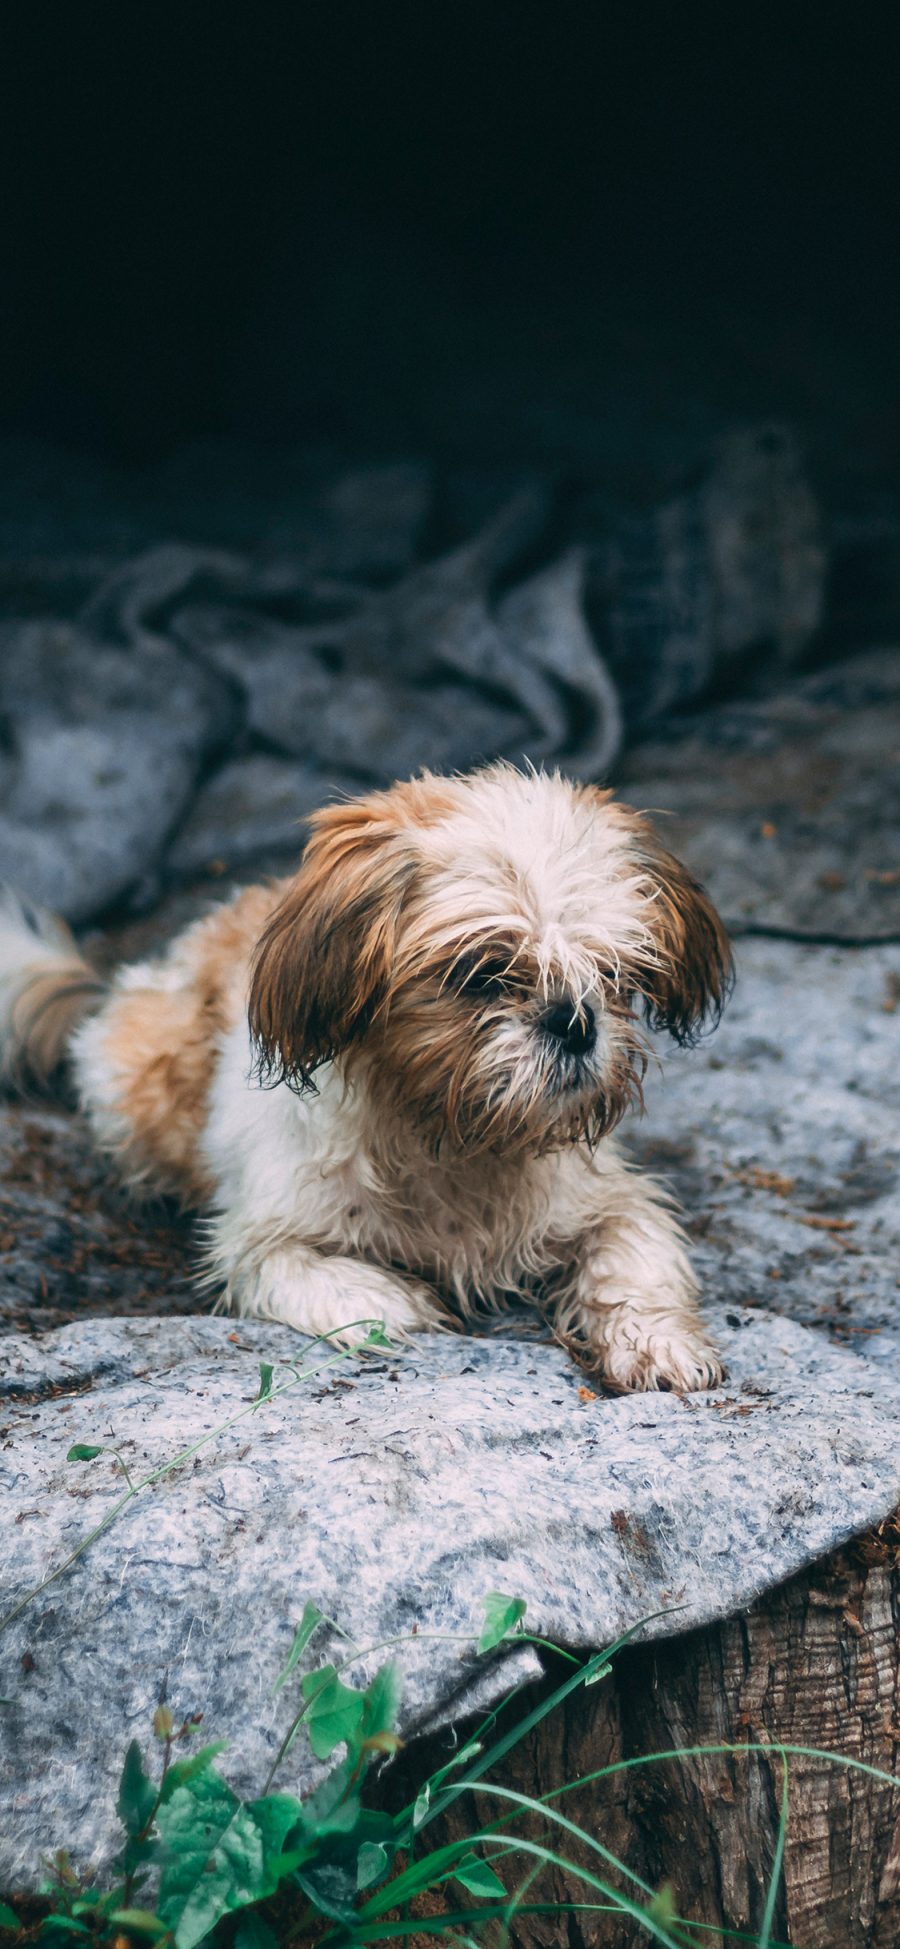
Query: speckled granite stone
391	1492
789	807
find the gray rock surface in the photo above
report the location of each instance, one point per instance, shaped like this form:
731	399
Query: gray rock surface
789	808
520	673
392	1493
105	747
250	810
735	567
780	1135
348	628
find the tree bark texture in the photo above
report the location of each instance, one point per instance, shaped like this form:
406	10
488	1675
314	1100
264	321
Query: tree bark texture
815	1663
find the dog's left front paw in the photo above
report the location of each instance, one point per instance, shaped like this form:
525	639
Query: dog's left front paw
660	1363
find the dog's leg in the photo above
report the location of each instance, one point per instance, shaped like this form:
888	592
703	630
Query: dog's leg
316	1292
631	1303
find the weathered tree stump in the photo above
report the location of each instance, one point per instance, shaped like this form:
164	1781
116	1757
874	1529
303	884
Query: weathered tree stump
816	1663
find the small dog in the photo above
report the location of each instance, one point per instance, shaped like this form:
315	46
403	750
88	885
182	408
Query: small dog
392	1078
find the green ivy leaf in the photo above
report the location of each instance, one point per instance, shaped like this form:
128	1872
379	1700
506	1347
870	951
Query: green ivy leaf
187	1769
137	1793
502	1616
265	1381
335	1711
382	1702
8	1920
334	1807
311	1619
332	1888
219	1853
372	1864
478	1878
83	1451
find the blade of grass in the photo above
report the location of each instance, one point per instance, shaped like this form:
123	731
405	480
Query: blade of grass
765	1934
437	1924
727	1747
549	1858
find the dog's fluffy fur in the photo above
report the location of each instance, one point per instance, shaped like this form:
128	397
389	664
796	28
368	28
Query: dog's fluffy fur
392	1079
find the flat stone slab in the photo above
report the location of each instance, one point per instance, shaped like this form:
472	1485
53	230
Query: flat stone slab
789	808
391	1492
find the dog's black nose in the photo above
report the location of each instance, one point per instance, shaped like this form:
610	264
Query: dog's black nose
572	1025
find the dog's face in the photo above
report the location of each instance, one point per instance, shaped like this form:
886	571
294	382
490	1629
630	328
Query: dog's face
482	949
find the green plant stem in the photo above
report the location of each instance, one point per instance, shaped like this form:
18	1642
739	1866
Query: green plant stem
177	1461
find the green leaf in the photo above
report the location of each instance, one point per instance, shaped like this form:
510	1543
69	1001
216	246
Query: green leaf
137	1793
382	1702
265	1380
187	1769
422	1805
372	1864
64	1923
502	1615
376	1337
593	1678
478	1878
219	1853
334	1807
253	1933
83	1451
335	1711
332	1888
311	1619
138	1921
8	1920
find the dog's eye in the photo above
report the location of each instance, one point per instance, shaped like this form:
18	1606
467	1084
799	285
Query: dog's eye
482	977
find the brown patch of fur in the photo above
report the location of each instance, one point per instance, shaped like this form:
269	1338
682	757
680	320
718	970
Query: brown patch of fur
162	1043
694	973
44	1017
324	962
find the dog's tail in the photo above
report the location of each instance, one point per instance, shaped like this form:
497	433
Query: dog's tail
46	989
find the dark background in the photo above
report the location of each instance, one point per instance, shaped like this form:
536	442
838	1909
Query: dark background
543	232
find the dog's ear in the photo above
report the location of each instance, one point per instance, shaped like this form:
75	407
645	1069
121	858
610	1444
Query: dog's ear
324	963
691	976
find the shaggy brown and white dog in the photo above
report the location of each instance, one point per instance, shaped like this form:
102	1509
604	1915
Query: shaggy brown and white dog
391	1079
